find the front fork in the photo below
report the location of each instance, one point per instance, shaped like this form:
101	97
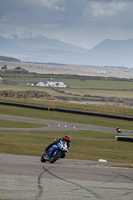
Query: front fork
49	154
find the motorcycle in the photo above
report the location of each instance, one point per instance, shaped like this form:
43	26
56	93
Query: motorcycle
118	130
56	151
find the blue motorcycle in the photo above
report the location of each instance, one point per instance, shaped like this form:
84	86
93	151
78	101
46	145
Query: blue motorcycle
56	151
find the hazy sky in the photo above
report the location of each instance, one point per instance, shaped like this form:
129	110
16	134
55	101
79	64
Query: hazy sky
83	23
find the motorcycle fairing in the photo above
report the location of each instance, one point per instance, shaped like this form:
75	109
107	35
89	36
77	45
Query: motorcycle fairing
52	149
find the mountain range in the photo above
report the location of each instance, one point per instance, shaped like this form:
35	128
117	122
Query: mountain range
117	53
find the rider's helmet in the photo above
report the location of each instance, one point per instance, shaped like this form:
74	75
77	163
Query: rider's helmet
67	139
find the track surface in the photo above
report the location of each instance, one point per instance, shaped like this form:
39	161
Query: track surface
53	125
26	178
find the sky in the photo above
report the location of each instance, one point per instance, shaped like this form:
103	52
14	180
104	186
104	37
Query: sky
83	23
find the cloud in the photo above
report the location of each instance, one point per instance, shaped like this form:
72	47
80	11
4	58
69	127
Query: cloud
113	13
79	22
52	4
105	9
100	8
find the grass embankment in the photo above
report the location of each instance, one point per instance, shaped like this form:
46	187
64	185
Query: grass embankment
98	108
86	145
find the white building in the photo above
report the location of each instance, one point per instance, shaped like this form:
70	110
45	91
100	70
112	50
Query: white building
51	83
0	79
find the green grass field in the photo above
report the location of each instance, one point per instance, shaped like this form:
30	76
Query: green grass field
34	143
98	108
19	124
101	92
73	82
105	84
86	145
104	88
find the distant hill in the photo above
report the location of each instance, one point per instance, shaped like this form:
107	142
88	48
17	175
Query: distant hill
41	49
9	59
112	53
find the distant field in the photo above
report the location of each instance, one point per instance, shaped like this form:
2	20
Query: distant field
24	88
75	91
76	83
71	69
103	84
103	88
90	90
104	93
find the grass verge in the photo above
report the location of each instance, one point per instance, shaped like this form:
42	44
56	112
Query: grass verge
85	145
19	124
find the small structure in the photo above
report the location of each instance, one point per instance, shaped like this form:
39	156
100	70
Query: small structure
51	83
4	68
20	70
15	70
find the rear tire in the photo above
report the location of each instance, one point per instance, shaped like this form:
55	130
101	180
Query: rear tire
54	158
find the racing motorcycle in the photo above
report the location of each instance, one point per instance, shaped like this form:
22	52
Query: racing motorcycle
56	151
118	130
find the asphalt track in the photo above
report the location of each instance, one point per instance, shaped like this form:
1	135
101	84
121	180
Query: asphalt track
26	178
53	125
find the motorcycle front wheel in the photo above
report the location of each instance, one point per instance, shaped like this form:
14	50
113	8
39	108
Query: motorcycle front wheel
42	158
55	157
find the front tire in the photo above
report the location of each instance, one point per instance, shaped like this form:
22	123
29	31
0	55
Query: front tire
63	155
54	158
42	158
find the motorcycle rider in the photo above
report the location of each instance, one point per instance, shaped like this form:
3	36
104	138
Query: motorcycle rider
118	130
66	138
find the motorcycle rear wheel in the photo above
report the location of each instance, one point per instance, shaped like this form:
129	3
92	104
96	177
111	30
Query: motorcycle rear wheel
55	157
